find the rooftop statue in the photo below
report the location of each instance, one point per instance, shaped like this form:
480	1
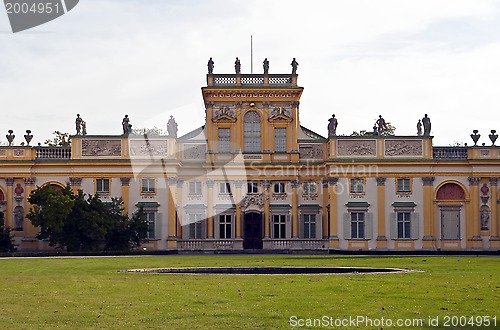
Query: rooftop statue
332	126
419	128
210	66
237	66
426	121
266	66
294	65
381	125
78	123
172	127
126	125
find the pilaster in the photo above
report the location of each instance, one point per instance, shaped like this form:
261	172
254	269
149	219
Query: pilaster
125	181
178	208
429	239
381	238
76	184
29	229
210	209
267	213
324	209
472	224
172	217
10	206
495	219
295	208
332	187
238	184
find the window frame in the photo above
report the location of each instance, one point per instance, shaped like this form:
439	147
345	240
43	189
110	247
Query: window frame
226	222
360	182
149	191
279	226
403	191
223	141
310	224
195	226
196	184
227	188
102	180
404	225
252	191
280	139
280	191
358	224
252	132
306	186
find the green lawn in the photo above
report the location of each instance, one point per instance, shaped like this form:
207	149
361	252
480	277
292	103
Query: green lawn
91	292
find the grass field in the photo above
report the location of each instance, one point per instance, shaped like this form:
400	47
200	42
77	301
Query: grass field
60	293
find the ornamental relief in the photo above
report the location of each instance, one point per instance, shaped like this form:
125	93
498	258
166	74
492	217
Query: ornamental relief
101	148
224	113
194	151
148	148
311	151
356	148
403	147
270	94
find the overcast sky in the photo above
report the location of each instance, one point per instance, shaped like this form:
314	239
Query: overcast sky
357	59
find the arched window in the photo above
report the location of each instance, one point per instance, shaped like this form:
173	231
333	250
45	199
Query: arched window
450	191
251	133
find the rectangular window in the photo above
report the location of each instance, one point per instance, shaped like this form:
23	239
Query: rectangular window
357	186
102	185
310	188
224	140
252	188
225	188
195	226
358	225
148	186
404	224
279	188
404	185
151	221
309	225
279	226
280	140
195	188
225	226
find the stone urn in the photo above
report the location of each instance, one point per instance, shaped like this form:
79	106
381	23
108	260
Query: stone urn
10	137
493	137
475	137
28	137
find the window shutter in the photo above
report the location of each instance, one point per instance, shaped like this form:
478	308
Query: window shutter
368	225
158	225
394	225
347	225
415	226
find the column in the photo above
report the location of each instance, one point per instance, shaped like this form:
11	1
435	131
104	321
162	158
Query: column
10	206
332	187
76	184
295	130
172	219
178	209
266	134
125	190
472	224
210	131
210	209
495	223
238	127
429	239
29	229
381	238
324	209
267	209
295	208
238	184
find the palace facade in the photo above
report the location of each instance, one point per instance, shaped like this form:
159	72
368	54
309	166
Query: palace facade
253	178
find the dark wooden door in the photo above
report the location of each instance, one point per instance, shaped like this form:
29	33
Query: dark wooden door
252	231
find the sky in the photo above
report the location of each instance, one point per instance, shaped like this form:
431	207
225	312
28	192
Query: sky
358	59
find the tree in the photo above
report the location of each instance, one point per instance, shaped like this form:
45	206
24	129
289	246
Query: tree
80	222
6	243
389	131
59	140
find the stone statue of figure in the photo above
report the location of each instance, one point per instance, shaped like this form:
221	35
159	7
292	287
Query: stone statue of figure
78	123
210	66
125	125
332	126
84	127
485	218
266	66
172	127
237	66
426	121
419	128
381	125
294	65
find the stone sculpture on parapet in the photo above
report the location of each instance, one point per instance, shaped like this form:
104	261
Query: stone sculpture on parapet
78	123
332	126
419	128
127	128
237	66
381	125
426	121
294	65
210	66
266	66
172	127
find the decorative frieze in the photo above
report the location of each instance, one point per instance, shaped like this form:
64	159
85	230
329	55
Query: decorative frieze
150	148
362	148
125	181
311	151
101	148
403	148
194	151
474	181
74	181
428	180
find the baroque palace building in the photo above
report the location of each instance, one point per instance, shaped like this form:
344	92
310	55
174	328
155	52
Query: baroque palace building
253	178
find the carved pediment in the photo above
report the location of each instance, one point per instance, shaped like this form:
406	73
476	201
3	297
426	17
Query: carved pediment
224	114
253	200
280	114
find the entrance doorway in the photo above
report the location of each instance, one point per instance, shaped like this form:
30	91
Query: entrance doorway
252	231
